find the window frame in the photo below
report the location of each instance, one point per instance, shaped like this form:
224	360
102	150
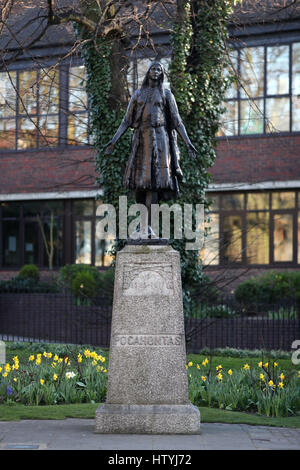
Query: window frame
263	41
295	211
63	106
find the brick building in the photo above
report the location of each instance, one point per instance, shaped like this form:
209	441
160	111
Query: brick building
47	162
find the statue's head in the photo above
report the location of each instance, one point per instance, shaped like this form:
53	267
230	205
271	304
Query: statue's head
155	72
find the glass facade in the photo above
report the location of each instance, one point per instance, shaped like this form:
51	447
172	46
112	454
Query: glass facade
253	228
24	226
265	98
44	107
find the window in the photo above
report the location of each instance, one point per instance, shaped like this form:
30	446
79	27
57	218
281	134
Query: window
89	248
45	107
253	228
22	237
266	98
73	224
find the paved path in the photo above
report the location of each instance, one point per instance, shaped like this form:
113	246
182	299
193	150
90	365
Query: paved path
79	434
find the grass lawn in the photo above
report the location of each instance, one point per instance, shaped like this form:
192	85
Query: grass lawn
208	415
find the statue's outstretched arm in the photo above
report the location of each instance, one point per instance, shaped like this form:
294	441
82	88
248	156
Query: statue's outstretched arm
182	132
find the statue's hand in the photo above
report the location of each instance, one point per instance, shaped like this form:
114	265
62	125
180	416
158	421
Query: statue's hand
192	151
109	148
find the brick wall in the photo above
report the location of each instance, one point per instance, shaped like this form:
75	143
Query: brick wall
37	171
253	160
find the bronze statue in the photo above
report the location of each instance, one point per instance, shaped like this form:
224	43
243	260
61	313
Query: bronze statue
153	167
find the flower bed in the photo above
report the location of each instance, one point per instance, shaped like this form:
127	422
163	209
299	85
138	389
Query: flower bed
264	389
48	379
81	377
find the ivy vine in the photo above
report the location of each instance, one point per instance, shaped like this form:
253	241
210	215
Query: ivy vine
196	76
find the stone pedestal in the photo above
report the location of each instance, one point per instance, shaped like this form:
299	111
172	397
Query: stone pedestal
147	381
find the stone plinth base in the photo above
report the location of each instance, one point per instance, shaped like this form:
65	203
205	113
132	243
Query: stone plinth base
147	419
147	390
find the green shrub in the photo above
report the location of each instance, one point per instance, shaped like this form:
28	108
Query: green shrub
84	287
69	272
29	271
106	285
213	311
269	288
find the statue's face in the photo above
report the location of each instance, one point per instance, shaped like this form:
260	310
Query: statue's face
155	72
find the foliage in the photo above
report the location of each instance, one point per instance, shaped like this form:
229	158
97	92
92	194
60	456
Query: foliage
48	379
269	288
265	389
68	273
29	271
79	375
84	287
197	82
213	311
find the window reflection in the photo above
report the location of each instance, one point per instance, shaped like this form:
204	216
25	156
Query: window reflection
231	92
252	72
257	245
28	92
7	134
283	237
257	201
8	84
278	70
210	251
229	120
31	248
83	242
252	117
102	248
48	128
11	248
27	133
233	201
78	129
77	92
48	91
277	114
232	237
283	200
83	207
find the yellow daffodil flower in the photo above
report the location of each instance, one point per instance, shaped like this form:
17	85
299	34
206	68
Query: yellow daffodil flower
42	381
31	357
260	364
266	364
275	364
281	385
281	376
190	364
230	372
55	357
219	367
198	367
220	376
5	374
15	379
55	377
271	383
246	367
262	377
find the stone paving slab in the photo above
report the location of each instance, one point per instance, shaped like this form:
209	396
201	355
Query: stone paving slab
78	434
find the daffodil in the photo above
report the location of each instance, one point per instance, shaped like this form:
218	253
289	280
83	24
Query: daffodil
42	381
230	372
271	383
220	376
198	367
219	367
53	364
79	358
55	377
262	377
281	385
275	364
31	357
55	357
5	374
205	362
266	365
246	367
260	364
190	364
15	379
203	378
281	376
